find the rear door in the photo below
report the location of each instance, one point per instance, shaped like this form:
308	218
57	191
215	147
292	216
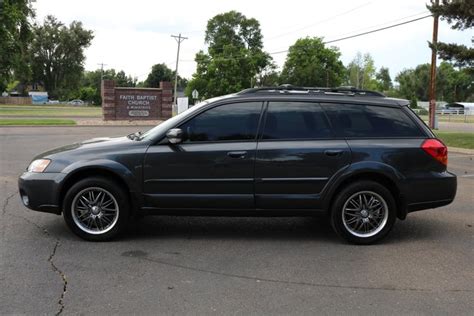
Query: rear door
297	154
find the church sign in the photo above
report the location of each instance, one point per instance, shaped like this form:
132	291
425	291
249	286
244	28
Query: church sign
120	103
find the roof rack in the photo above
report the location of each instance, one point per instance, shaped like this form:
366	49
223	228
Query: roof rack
288	88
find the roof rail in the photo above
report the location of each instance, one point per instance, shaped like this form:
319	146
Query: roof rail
288	88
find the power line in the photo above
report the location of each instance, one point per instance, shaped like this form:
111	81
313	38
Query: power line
308	26
378	30
343	38
363	33
385	23
327	42
361	29
319	22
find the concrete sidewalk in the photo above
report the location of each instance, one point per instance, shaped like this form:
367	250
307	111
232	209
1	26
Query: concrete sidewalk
460	150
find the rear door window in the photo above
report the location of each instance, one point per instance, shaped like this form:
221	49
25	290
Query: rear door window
295	120
369	121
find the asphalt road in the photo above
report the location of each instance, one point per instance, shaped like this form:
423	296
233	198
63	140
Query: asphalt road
170	265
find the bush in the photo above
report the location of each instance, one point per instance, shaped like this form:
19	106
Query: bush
413	102
422	111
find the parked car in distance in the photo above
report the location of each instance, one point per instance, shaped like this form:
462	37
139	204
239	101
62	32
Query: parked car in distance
76	102
360	157
53	101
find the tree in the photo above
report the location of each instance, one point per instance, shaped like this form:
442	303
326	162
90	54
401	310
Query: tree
234	56
361	72
122	80
159	72
310	63
58	55
91	81
414	82
454	85
268	77
384	82
15	35
451	84
461	15
413	102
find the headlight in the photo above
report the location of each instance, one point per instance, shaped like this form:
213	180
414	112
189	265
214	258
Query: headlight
39	165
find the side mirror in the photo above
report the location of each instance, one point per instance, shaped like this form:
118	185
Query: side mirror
175	135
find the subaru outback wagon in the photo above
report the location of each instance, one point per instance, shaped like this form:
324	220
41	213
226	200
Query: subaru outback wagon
362	158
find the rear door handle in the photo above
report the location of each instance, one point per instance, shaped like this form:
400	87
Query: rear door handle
237	154
332	152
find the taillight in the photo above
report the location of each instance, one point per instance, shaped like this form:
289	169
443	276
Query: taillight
436	149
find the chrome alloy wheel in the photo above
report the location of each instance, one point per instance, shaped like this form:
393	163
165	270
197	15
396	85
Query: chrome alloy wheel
95	210
365	214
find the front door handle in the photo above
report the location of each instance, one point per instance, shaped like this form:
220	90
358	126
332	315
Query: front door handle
237	154
332	152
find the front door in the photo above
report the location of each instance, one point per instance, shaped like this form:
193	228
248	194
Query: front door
214	165
296	156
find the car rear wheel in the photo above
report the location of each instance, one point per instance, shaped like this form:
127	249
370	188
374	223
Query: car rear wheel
96	209
363	212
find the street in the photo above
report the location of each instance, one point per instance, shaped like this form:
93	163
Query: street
208	265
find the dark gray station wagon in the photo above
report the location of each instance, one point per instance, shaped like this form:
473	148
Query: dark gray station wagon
359	156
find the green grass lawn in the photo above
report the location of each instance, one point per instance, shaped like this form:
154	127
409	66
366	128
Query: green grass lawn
451	118
49	111
35	122
455	139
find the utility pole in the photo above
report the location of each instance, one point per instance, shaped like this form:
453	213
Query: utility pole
178	39
433	70
102	70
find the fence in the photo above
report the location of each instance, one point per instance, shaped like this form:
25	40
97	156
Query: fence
465	115
16	100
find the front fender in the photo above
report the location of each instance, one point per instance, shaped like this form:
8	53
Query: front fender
114	167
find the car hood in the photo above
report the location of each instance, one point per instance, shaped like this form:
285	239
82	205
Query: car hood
98	145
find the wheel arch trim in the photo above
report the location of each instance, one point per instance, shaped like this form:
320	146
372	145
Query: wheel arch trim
376	171
103	167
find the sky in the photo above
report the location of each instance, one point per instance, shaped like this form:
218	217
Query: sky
134	35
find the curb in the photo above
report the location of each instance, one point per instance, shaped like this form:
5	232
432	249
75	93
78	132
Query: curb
460	150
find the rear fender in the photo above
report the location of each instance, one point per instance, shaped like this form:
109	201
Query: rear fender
358	170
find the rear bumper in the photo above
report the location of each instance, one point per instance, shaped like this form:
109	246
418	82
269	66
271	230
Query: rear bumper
434	191
40	191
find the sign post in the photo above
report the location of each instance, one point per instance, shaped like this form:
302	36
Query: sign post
195	95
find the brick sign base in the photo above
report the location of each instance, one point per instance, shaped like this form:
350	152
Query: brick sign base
119	103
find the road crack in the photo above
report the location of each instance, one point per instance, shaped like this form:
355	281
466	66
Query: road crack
57	244
61	274
5	203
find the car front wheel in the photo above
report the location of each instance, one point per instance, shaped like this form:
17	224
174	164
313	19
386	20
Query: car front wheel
363	212
96	209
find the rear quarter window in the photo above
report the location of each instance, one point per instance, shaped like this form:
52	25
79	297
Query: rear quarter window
370	121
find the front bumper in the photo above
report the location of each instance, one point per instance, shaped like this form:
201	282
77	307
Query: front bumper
40	191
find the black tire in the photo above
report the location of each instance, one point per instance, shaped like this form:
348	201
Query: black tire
116	220
347	217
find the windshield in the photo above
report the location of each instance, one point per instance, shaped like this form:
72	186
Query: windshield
169	123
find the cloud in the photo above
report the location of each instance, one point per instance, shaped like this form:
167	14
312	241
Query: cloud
134	35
